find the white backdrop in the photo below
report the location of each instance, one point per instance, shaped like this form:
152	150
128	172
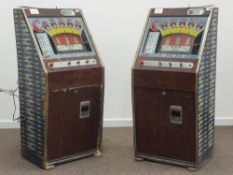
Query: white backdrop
116	26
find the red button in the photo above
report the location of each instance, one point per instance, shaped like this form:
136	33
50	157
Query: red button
141	62
50	64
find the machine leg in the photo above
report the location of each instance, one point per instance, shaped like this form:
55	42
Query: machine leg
138	159
193	169
98	153
49	167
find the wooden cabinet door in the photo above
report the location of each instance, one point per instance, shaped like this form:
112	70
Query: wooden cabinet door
158	133
73	122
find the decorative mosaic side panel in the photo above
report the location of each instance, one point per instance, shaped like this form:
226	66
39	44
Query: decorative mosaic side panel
207	77
31	88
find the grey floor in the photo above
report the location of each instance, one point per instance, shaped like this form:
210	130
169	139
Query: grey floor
117	157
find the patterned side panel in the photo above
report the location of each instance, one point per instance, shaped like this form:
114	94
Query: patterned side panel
31	89
206	91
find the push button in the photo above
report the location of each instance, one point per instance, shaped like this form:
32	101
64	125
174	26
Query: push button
141	62
50	64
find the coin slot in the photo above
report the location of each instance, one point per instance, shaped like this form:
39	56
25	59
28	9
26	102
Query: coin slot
85	108
176	114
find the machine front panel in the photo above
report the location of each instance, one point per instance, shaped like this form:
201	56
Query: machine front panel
63	40
60	37
173	86
173	37
172	42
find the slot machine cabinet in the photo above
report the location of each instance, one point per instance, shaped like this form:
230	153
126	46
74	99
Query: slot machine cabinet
61	86
173	86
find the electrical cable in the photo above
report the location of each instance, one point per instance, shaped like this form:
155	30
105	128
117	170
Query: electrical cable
12	92
13	117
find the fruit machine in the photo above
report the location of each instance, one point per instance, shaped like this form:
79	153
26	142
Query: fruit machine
173	86
61	86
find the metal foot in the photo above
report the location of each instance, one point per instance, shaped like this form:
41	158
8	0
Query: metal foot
138	159
98	153
49	167
192	169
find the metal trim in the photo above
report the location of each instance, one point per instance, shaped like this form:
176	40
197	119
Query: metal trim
72	157
132	85
100	134
91	38
167	160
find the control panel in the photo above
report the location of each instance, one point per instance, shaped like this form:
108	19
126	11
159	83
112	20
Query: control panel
166	64
72	63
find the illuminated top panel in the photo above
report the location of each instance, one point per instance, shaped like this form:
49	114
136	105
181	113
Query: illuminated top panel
60	37
178	37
